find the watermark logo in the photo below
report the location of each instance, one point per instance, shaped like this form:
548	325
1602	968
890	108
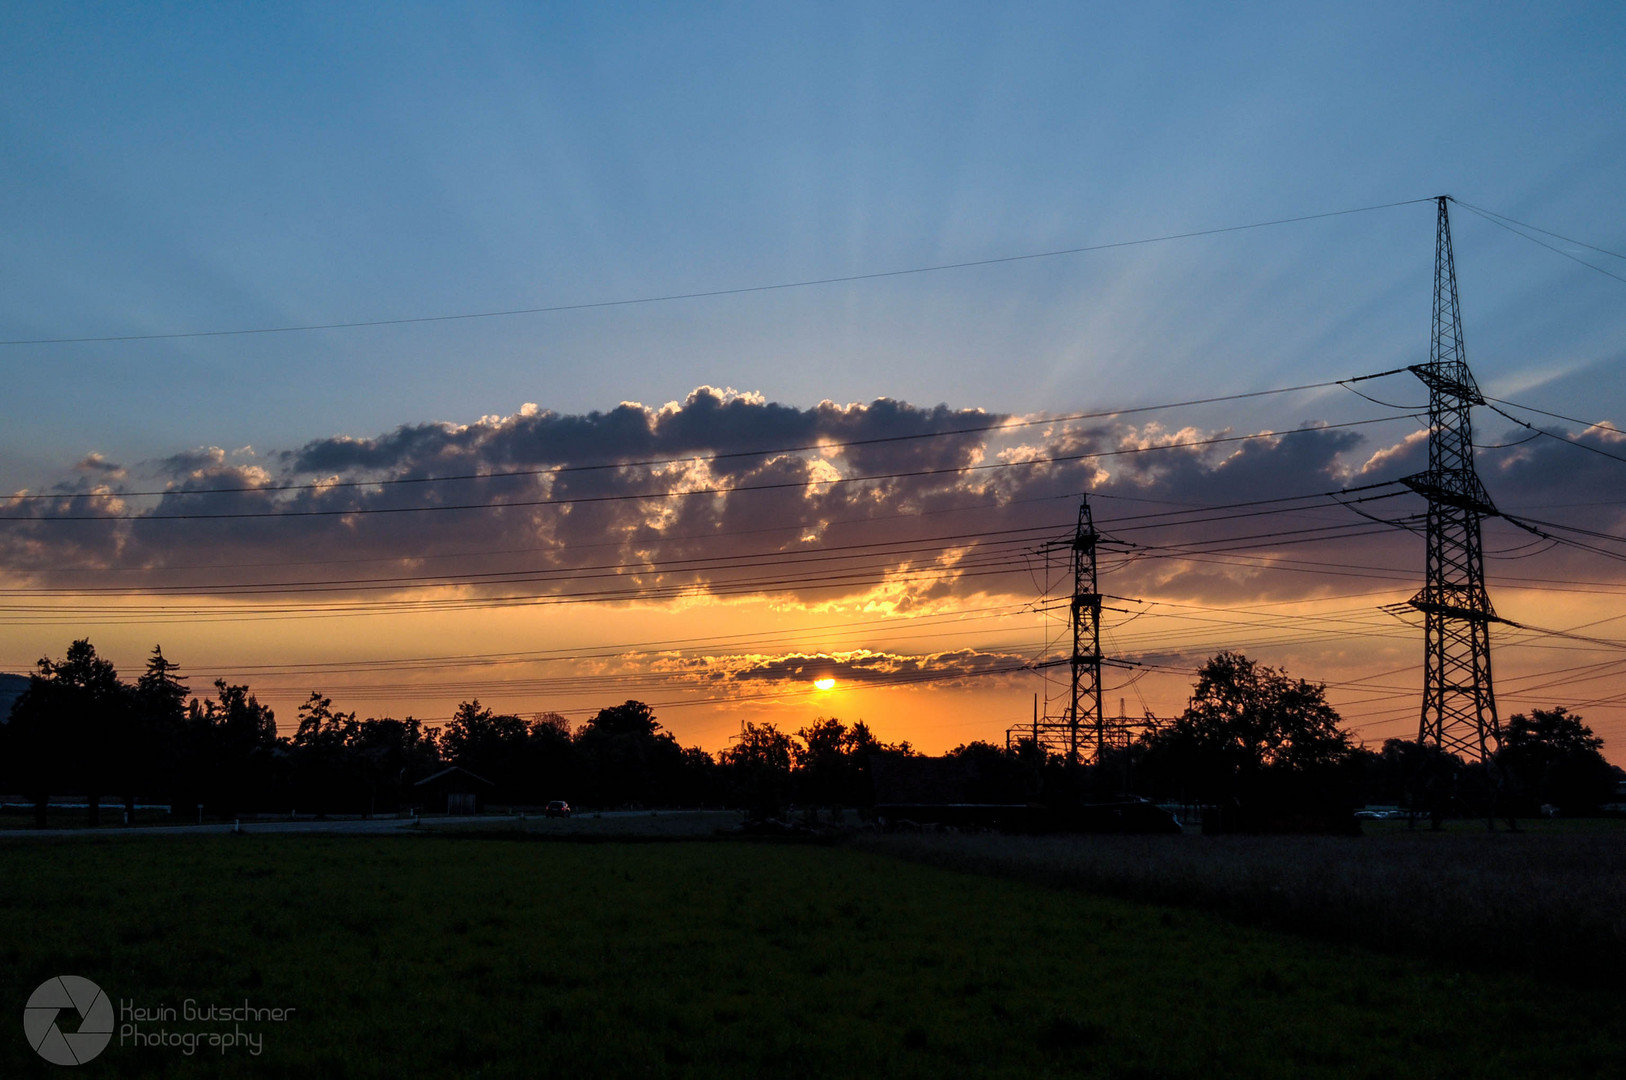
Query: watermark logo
48	1039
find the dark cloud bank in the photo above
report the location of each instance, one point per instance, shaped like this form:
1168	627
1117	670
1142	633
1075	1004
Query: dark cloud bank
933	524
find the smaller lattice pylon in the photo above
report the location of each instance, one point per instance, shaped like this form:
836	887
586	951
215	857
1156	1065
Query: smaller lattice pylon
1083	733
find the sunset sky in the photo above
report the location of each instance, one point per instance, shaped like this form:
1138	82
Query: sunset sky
711	352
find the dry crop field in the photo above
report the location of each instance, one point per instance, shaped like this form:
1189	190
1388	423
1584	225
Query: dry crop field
1546	900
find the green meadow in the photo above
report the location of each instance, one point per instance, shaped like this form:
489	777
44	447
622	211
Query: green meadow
441	955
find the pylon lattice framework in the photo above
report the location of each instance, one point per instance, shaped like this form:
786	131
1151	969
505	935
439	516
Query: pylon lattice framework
1080	732
1459	703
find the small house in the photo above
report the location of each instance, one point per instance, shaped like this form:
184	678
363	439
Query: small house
456	789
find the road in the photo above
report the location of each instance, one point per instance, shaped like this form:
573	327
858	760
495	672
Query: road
618	821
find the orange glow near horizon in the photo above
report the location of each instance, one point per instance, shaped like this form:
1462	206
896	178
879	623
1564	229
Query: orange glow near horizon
576	661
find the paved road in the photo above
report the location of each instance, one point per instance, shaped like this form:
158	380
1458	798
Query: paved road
333	825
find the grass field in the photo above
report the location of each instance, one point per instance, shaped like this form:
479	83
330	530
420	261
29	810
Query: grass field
448	956
1547	900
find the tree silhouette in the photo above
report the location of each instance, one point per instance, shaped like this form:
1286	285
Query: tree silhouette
320	746
631	718
1251	736
832	762
160	728
550	760
489	745
388	756
998	775
71	729
1551	757
232	745
758	765
626	757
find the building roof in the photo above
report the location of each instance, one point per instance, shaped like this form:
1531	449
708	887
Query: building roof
451	774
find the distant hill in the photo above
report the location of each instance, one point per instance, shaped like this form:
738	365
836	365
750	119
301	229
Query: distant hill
11	688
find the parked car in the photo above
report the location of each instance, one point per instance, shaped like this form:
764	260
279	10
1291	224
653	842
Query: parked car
558	808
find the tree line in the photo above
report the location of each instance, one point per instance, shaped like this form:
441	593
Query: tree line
1253	739
1270	752
1250	739
79	729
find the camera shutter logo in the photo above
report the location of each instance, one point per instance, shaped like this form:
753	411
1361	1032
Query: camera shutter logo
95	1020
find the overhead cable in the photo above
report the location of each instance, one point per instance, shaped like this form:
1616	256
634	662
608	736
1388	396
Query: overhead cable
705	293
689	492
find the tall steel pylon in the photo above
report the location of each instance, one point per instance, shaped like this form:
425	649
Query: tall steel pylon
1459	703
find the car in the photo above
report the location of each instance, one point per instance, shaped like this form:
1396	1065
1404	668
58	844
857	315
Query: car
558	808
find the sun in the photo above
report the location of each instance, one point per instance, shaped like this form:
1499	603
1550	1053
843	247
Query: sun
824	684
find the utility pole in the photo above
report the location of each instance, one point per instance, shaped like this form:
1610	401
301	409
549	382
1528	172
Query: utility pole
1459	703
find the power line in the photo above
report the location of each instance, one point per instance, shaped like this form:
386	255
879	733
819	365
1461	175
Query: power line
689	492
986	558
810	582
708	293
1603	425
990	563
694	647
984	545
1535	431
493	552
716	563
1542	243
554	470
1536	228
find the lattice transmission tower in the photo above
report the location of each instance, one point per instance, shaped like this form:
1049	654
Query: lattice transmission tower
1459	703
1080	732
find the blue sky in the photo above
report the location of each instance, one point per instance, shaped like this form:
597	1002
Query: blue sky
189	167
178	168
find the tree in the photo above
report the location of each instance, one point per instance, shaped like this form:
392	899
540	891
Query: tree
1250	735
246	725
159	727
631	718
159	690
476	735
230	750
1000	775
71	730
758	767
490	745
550	759
627	758
320	752
1551	757
832	761
552	720
387	756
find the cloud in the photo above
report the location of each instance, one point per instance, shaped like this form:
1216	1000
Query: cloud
189	462
859	666
94	462
881	506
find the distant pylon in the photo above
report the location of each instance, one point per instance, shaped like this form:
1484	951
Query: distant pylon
1459	702
1085	722
1080	734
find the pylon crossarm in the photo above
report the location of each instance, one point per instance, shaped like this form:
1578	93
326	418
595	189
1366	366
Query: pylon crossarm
1462	492
1456	384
